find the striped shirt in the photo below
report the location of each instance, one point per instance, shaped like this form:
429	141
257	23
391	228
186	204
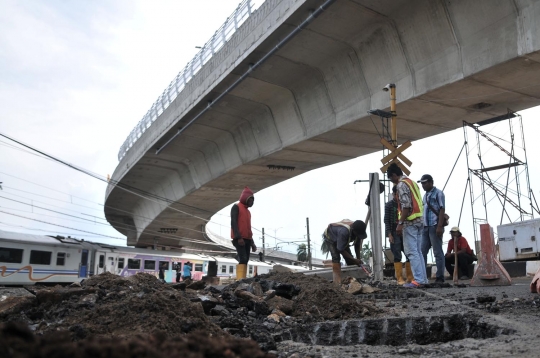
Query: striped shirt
405	199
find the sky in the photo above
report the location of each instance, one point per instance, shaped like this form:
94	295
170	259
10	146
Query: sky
76	77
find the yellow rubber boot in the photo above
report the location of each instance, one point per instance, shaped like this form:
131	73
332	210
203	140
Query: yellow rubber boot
336	273
408	270
240	271
398	268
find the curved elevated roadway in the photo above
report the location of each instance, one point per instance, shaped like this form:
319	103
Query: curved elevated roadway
306	105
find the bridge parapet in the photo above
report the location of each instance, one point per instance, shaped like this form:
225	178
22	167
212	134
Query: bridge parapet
244	10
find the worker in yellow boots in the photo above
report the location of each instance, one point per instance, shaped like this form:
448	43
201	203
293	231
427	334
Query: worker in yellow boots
396	241
241	235
338	238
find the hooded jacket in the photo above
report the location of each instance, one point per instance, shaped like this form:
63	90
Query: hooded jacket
243	223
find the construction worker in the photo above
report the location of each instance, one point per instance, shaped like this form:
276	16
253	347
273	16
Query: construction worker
465	255
396	242
410	223
339	236
433	217
241	235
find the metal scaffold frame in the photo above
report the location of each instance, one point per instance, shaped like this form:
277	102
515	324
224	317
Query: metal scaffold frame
513	195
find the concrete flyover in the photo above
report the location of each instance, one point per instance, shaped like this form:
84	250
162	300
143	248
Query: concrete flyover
306	105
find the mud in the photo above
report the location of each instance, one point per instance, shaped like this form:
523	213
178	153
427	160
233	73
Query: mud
281	314
108	305
17	341
324	301
108	308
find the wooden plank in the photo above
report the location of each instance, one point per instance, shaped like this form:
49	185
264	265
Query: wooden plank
390	147
397	151
400	164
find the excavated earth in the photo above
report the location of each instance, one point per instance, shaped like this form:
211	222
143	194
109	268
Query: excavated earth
140	316
276	315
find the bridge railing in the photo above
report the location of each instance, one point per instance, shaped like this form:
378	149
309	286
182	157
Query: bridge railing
218	40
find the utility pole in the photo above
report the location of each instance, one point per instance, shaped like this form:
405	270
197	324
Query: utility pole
263	241
308	244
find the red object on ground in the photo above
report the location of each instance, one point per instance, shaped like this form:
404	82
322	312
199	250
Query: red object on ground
535	283
490	272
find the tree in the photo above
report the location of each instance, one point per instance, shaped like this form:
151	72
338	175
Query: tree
301	253
366	253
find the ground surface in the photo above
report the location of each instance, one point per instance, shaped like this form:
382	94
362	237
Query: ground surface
514	308
284	315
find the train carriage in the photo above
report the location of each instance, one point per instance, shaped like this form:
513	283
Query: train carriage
29	259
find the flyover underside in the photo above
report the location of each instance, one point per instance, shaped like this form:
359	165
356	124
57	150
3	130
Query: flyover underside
306	106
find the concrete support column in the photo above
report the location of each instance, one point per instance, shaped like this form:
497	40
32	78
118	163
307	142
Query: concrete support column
375	225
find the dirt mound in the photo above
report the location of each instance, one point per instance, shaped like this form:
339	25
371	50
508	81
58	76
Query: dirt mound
109	305
17	341
322	299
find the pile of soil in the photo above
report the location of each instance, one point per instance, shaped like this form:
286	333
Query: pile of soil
323	300
107	309
17	341
109	305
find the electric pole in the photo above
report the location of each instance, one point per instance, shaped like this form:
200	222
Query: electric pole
308	244
263	241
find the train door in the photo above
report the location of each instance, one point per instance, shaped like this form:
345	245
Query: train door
112	262
100	262
212	269
83	266
121	263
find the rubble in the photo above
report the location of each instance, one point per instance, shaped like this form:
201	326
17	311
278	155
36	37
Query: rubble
108	306
17	341
269	309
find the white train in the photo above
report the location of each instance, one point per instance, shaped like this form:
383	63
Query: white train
27	259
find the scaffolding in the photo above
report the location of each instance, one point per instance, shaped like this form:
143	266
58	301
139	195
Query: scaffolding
506	180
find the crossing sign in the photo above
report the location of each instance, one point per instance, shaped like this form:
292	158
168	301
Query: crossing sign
396	156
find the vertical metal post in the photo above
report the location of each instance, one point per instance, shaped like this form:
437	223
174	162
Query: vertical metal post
308	244
393	111
375	225
471	190
263	241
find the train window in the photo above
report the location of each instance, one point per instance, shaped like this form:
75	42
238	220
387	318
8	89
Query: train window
10	255
250	269
60	259
223	268
40	257
198	267
134	264
231	269
149	264
164	263
101	261
121	263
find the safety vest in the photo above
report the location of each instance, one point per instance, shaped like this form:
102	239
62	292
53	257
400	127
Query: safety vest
417	206
244	222
346	223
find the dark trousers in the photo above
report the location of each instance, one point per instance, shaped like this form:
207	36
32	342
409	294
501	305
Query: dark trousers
463	259
397	247
242	251
336	256
178	277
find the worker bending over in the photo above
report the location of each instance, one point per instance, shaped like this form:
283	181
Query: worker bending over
339	237
241	235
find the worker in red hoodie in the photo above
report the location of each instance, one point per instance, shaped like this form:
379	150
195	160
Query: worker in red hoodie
241	234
